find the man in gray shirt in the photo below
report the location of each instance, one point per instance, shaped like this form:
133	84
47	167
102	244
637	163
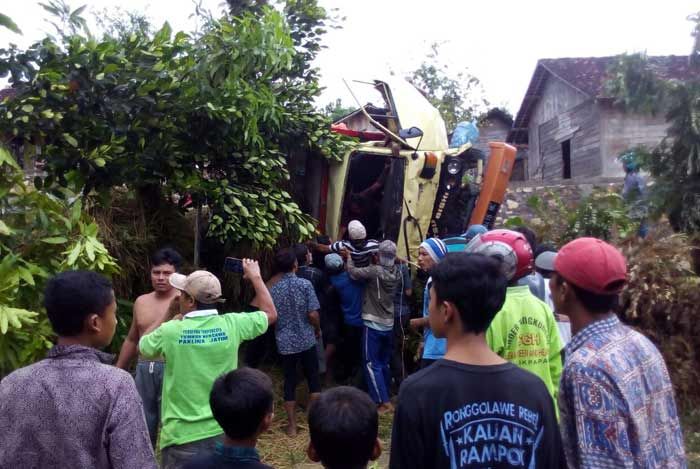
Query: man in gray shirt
378	319
73	409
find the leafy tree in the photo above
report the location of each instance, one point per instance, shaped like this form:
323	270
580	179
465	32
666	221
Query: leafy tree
121	24
212	117
634	86
6	22
240	7
40	235
675	163
496	112
70	22
306	22
458	97
336	110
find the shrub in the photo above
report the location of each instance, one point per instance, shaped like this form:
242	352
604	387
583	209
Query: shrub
40	235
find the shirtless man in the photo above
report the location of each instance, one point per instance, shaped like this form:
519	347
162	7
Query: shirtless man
150	311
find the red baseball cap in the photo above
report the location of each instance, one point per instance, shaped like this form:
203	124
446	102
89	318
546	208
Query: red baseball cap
592	265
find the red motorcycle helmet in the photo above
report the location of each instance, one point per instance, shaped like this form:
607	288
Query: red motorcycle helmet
510	247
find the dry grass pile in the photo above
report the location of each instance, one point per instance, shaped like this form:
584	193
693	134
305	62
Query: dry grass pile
132	234
283	452
663	301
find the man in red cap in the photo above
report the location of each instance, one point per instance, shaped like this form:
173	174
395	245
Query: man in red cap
616	401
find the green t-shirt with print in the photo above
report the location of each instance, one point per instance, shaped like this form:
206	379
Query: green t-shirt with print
197	350
525	333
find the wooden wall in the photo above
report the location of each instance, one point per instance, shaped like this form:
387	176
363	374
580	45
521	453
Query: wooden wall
597	131
491	131
557	97
580	125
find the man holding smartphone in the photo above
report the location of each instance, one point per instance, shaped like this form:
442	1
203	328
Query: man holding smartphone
198	349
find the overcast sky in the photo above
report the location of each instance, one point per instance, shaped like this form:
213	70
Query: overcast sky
497	41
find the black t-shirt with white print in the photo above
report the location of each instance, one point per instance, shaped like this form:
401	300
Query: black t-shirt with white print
452	415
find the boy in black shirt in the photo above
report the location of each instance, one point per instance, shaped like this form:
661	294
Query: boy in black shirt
241	402
472	408
343	427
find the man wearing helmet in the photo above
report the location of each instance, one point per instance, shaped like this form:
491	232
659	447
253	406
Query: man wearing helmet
634	191
524	330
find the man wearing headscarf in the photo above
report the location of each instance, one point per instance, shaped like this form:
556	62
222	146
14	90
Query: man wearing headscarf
459	243
430	253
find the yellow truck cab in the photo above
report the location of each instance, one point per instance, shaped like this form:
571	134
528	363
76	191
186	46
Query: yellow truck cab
404	182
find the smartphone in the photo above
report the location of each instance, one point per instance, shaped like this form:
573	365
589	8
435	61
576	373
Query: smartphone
231	264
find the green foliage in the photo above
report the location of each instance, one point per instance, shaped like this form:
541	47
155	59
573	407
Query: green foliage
603	214
6	22
66	21
125	311
496	113
675	163
40	235
514	222
336	110
458	97
121	24
634	86
240	7
167	115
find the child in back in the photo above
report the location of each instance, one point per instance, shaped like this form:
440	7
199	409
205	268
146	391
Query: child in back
343	426
241	402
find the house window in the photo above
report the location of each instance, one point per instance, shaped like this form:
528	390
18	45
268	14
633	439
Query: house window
566	159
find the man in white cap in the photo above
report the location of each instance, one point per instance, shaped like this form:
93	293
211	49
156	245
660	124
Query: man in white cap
378	319
359	247
198	349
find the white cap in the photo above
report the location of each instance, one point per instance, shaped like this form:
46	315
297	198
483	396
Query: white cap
201	285
356	230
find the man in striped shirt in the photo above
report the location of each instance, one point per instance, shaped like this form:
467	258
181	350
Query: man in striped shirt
358	247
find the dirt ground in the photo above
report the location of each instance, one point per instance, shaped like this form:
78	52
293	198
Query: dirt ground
283	452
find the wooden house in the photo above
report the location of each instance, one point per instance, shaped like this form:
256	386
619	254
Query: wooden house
494	126
572	129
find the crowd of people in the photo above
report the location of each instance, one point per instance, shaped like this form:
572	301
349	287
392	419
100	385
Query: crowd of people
523	363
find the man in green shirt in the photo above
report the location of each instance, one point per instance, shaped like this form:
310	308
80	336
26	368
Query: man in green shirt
524	331
198	349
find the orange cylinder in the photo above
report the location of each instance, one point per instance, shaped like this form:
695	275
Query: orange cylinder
494	184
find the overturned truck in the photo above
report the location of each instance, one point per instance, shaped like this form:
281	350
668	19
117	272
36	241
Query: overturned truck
401	179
